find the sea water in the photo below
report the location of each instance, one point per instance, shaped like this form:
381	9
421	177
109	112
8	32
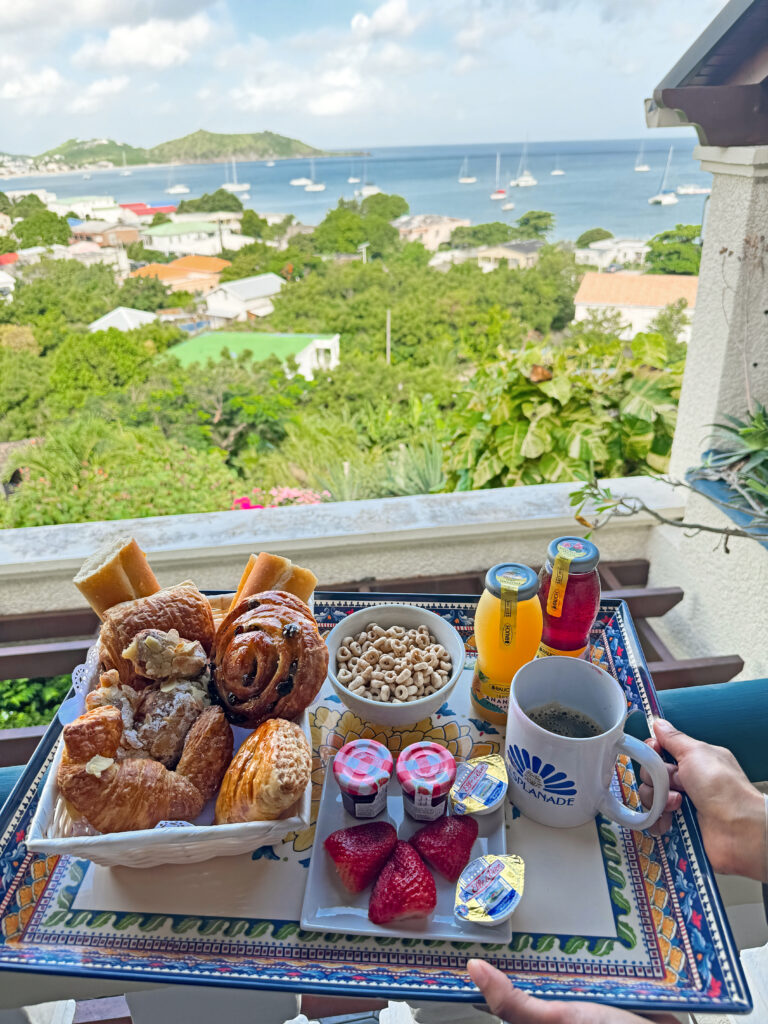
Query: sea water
600	187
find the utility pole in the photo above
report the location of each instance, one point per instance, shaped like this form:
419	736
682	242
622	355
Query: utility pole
389	336
363	248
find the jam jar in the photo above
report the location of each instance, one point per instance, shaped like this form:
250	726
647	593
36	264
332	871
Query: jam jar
363	768
425	772
569	592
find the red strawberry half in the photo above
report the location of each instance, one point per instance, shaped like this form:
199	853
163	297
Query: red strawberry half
446	844
405	888
360	853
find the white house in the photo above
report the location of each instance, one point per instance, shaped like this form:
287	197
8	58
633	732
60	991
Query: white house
193	238
244	299
431	229
42	194
516	255
637	298
7	284
613	251
124	318
96	207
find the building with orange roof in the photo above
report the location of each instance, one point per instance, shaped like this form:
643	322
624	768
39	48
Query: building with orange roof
188	274
637	298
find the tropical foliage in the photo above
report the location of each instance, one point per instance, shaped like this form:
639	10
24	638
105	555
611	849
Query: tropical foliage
677	251
27	702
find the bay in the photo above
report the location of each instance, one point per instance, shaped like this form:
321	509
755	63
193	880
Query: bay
600	187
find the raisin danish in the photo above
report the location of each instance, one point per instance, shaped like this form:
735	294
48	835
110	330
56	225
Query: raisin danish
268	659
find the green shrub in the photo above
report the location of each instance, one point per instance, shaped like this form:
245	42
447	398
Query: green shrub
26	702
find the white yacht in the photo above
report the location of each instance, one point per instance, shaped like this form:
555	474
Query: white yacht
523	178
176	190
465	178
301	182
640	165
665	196
557	169
498	192
235	185
352	179
125	173
313	186
693	190
508	205
370	190
270	163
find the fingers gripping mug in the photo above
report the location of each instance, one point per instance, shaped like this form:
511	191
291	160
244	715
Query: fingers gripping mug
564	780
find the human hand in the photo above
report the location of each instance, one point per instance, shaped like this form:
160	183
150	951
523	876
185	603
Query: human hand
517	1007
731	812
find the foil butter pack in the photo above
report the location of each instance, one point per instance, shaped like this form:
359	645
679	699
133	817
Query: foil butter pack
480	786
489	889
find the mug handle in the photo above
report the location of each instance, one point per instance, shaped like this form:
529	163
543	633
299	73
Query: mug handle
617	811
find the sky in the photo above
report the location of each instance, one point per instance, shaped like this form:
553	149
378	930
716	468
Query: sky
336	73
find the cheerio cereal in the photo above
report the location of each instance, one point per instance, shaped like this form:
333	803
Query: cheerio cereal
489	889
393	666
480	786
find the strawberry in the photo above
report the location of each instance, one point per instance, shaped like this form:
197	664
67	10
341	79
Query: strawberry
405	888
446	844
360	853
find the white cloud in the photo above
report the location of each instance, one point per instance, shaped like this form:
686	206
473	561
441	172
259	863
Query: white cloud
92	97
31	91
392	18
157	43
37	15
465	64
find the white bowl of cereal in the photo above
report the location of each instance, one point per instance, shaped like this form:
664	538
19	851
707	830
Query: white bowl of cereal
394	664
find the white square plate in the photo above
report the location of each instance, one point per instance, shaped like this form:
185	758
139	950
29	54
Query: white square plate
329	907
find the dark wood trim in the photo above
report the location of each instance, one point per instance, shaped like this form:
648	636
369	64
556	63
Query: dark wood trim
18	745
651	602
51	659
724	115
44	625
694	671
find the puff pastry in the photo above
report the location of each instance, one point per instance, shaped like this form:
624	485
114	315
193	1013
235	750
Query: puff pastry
182	608
268	774
268	661
137	793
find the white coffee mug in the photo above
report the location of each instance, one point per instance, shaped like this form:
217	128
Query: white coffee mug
564	781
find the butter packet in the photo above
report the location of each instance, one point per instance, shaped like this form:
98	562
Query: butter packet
489	889
480	786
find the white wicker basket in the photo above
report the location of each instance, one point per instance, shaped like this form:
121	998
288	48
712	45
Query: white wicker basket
51	830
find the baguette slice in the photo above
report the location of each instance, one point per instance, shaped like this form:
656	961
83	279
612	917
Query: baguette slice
273	572
116	572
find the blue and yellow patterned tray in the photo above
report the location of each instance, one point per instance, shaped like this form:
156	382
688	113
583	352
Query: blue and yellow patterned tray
609	914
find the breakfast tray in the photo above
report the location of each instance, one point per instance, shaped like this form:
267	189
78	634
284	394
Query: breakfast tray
608	914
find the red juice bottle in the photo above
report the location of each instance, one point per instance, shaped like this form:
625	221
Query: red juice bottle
569	592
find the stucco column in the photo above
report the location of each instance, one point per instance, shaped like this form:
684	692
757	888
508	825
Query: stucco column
730	325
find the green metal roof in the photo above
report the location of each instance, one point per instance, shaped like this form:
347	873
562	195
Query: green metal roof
182	227
262	344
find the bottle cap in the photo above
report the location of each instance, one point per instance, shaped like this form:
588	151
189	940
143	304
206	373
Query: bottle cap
480	786
528	580
583	554
489	889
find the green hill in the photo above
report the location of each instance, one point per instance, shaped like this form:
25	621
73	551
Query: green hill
89	151
206	147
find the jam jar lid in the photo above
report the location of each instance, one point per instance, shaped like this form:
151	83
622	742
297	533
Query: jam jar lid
523	575
426	768
362	767
583	554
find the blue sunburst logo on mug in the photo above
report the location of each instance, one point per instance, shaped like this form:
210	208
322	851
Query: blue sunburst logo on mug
540	774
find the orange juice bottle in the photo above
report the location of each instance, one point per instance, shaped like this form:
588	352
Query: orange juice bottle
508	623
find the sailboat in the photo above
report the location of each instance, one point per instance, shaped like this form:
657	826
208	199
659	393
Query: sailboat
352	179
509	205
313	186
665	196
368	189
524	177
270	163
235	185
498	192
125	173
639	165
465	178
175	190
300	182
557	169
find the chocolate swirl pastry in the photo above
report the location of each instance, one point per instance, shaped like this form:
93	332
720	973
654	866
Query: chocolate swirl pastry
268	659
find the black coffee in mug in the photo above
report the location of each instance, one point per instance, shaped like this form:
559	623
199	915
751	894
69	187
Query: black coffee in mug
564	721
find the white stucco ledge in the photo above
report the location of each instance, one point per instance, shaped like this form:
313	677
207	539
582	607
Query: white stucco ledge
742	161
387	538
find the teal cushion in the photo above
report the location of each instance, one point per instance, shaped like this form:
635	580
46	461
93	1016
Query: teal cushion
732	715
8	779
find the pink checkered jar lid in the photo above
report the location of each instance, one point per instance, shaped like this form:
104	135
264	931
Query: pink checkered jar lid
426	768
362	767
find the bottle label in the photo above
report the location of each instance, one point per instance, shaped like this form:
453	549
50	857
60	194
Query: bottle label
560	570
510	584
490	694
548	652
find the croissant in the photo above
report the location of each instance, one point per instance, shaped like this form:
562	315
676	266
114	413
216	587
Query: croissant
137	793
269	773
182	608
268	659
